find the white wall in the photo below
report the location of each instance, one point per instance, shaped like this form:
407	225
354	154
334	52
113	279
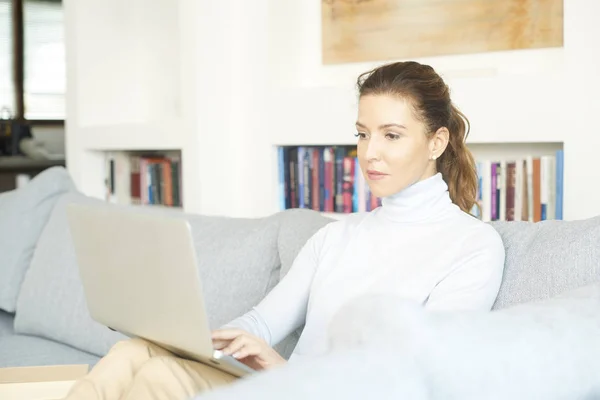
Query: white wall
504	94
127	56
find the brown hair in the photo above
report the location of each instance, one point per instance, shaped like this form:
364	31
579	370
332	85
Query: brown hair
430	97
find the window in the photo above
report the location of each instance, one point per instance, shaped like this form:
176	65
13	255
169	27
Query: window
44	59
32	59
7	89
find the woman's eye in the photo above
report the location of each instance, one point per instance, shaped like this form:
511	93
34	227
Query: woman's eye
360	135
393	136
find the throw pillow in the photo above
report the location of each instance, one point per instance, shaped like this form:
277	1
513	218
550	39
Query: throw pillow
23	214
540	350
354	374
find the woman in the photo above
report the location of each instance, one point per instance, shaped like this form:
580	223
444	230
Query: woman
421	244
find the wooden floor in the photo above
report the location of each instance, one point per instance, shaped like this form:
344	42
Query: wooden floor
370	30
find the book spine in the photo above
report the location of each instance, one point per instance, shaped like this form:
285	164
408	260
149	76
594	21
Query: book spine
537	203
510	191
315	177
494	192
339	179
348	184
518	190
281	178
300	172
294	191
559	184
501	180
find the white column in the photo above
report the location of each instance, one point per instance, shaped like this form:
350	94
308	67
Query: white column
230	84
582	108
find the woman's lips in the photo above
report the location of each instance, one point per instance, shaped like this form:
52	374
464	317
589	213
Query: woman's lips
375	175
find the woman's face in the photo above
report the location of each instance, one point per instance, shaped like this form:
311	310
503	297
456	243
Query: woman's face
394	150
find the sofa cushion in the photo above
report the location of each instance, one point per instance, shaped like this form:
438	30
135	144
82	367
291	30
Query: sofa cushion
238	265
6	324
547	258
23	214
25	351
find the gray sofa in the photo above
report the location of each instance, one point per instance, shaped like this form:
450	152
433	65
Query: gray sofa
45	321
43	315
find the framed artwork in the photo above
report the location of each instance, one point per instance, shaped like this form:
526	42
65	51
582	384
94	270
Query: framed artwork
372	30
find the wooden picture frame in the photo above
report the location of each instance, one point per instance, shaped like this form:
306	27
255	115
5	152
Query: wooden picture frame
371	30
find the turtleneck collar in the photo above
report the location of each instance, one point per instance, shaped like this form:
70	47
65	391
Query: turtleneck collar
420	201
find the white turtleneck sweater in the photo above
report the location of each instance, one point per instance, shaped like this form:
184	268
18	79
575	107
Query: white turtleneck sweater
418	245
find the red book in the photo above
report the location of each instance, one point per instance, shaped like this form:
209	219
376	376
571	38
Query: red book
348	184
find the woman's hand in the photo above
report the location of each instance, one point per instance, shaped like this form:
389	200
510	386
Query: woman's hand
247	348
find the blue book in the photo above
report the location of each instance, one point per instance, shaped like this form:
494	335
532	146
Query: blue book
356	178
544	215
301	152
559	183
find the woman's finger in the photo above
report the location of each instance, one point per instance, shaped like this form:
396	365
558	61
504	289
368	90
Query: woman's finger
235	345
249	349
240	354
227	334
220	344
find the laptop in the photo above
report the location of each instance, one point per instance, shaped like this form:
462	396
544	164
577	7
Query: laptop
140	278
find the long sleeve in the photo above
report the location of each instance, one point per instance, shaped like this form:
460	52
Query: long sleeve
283	310
475	282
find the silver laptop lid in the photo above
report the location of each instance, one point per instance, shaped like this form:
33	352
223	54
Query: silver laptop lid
140	275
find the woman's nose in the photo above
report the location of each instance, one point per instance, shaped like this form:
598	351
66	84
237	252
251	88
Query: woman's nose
373	150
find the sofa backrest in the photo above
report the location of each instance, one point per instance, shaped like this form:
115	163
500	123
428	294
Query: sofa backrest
547	258
238	260
242	259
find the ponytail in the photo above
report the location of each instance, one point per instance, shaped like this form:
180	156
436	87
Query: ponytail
457	164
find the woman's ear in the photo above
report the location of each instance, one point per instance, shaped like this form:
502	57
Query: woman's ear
439	142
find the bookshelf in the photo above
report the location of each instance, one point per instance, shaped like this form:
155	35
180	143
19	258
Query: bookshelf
517	182
149	178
